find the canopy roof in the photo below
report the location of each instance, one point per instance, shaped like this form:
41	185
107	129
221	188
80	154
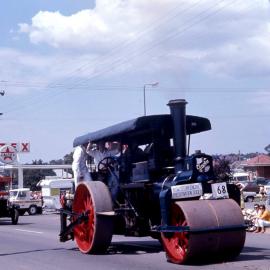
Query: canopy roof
143	127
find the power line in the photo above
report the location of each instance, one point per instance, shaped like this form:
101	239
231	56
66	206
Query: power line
128	87
125	60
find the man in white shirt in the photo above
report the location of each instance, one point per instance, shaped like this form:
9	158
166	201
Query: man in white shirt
80	170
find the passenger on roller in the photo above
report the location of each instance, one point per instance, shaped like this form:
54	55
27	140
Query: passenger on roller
102	150
79	167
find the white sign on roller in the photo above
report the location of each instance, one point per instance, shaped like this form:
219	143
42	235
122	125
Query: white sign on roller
186	191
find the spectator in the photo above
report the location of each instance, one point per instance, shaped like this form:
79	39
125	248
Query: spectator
264	219
262	193
255	213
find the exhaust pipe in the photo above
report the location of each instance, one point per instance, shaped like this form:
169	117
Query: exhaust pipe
178	113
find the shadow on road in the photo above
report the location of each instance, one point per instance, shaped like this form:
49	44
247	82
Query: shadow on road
29	251
8	222
254	253
132	248
137	247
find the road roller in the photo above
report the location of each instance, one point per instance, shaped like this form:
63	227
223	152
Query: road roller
154	187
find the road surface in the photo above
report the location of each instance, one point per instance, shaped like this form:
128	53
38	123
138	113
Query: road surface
33	244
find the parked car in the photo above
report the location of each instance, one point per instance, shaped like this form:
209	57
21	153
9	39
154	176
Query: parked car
241	177
251	187
261	181
23	198
249	196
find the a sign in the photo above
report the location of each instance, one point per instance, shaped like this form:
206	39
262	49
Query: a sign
8	154
186	191
219	190
23	147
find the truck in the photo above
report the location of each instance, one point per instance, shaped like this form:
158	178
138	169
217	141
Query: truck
7	209
24	198
241	177
52	189
156	188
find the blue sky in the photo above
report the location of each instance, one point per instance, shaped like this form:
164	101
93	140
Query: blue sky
71	67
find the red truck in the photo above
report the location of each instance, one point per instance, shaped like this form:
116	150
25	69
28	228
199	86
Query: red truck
7	209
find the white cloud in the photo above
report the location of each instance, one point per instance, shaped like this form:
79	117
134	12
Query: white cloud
23	72
225	44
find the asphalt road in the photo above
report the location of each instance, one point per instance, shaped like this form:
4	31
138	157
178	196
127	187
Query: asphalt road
33	244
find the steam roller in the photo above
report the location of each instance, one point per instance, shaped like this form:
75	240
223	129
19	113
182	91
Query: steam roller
208	230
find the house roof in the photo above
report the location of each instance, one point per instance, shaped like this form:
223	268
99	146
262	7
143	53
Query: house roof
260	160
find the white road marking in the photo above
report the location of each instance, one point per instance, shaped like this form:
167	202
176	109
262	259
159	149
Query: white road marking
29	231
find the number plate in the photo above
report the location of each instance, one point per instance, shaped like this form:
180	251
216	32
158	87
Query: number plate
186	191
219	190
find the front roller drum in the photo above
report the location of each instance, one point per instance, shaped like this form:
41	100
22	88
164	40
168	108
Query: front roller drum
93	235
216	231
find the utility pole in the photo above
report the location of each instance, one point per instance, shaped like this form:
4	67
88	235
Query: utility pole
144	99
2	93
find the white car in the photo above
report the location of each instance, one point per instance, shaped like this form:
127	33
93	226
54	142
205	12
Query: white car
22	197
249	196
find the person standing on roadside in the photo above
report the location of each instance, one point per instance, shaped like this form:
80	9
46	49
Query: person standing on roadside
79	168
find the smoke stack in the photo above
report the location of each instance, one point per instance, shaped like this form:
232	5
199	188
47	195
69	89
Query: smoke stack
178	113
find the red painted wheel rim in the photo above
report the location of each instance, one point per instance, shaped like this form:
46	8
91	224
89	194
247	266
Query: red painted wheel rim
84	232
176	244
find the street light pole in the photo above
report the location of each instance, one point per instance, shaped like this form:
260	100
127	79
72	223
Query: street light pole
2	93
144	99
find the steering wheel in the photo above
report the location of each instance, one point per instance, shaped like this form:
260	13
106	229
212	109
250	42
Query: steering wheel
107	164
107	168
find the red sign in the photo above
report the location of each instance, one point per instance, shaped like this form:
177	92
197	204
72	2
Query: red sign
8	154
23	147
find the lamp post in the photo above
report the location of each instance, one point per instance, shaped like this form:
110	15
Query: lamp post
2	93
144	88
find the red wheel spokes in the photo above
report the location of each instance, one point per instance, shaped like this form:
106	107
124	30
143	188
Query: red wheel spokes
176	246
84	232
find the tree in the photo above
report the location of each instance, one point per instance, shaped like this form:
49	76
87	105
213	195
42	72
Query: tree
222	169
32	177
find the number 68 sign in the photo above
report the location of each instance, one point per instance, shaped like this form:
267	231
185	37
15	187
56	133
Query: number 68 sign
219	190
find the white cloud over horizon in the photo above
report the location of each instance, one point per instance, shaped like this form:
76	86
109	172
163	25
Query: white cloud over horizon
215	54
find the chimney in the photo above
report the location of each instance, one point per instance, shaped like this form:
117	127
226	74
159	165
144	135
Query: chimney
178	113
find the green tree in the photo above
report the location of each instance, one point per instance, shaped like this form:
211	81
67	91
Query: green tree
222	169
32	177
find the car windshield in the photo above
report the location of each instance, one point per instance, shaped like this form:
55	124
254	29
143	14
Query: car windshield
242	178
13	193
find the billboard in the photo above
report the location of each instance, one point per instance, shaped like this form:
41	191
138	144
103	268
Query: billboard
22	147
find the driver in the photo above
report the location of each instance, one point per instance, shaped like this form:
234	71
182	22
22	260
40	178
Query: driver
102	150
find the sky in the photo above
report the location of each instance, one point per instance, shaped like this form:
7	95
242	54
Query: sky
75	66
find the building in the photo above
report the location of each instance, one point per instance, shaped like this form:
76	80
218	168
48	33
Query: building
260	166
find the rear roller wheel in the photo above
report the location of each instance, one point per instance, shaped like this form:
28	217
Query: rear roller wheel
93	235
